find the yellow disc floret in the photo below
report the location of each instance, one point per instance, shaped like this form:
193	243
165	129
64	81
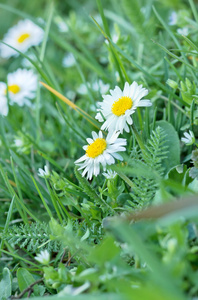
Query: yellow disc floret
96	148
121	105
23	37
14	88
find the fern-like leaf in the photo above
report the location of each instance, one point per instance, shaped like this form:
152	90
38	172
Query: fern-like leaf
31	236
144	188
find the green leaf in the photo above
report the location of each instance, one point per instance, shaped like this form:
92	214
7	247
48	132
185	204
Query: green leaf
25	279
105	252
172	142
6	284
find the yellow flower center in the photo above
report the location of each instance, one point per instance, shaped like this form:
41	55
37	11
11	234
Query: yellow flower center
96	148
121	105
23	37
14	88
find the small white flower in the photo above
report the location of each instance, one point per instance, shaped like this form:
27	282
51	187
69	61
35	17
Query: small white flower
173	18
100	86
69	60
62	26
18	142
183	31
22	85
43	173
110	174
43	257
118	107
100	151
188	138
82	89
22	36
115	38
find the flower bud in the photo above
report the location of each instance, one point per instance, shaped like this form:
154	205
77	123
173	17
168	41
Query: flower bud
173	84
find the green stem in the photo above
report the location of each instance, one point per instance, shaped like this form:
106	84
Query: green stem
138	138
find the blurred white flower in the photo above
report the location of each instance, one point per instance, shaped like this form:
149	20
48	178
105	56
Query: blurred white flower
82	89
100	86
110	174
21	86
183	31
115	38
3	100
96	86
188	138
22	36
43	257
74	291
43	173
62	26
173	18
69	60
18	142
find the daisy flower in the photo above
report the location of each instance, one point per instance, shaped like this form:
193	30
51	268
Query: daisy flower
22	85
100	151
43	257
22	36
118	107
188	138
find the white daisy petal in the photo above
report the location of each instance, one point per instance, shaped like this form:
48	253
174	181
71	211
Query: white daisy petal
89	141
94	134
84	157
99	117
126	90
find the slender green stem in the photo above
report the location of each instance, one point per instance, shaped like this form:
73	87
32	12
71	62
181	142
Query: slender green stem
140	118
138	138
194	11
125	178
43	200
54	202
